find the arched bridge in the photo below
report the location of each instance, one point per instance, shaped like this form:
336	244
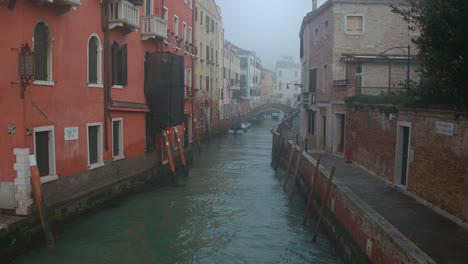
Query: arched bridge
272	106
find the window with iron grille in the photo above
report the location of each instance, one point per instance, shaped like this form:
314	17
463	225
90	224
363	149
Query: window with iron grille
42	52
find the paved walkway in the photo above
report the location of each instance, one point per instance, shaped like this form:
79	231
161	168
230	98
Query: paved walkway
441	239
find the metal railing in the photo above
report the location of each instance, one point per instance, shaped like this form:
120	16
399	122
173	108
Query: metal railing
153	26
377	91
308	99
124	13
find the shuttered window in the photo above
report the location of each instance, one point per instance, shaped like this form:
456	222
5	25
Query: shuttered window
354	24
119	64
41	52
313	80
93	47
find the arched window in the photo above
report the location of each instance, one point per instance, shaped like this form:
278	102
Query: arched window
94	61
42	53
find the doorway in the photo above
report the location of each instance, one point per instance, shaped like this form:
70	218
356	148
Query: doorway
44	150
324	135
402	154
339	133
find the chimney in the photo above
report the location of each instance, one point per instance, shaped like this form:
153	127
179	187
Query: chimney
314	5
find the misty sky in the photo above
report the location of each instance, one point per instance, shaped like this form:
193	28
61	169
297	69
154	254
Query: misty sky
268	27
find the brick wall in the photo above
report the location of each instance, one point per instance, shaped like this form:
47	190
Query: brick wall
439	167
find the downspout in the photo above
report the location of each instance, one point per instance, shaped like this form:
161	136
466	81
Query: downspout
105	23
194	43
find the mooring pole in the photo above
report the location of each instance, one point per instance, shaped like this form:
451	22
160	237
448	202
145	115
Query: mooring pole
286	175
324	202
181	152
169	157
197	134
314	180
40	203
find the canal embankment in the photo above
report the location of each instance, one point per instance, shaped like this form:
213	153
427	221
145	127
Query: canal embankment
369	219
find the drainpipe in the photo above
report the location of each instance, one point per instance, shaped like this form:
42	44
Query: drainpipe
194	43
105	23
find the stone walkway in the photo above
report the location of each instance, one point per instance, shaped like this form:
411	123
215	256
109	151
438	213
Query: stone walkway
441	239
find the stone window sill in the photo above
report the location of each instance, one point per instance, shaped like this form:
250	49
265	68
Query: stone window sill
95	85
44	83
117	86
49	178
95	165
119	157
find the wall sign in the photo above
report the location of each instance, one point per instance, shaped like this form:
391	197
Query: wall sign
444	128
71	133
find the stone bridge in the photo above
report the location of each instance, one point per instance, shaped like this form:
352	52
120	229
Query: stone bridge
271	106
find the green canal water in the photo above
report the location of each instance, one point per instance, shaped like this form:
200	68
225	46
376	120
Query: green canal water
231	209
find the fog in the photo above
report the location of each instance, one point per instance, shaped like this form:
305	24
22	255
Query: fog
268	27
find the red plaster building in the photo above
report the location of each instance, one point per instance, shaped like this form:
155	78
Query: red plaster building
87	109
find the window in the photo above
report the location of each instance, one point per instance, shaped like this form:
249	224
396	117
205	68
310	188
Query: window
201	52
354	24
326	30
184	32
165	13
207	23
201	82
44	150
207	53
325	77
119	65
315	36
42	53
313	80
311	127
176	26
95	146
196	13
94	62
189	77
190	35
212	26
201	18
117	138
149	7
216	57
207	83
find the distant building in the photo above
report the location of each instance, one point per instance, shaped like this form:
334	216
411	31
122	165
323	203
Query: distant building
267	86
250	76
348	47
230	94
288	81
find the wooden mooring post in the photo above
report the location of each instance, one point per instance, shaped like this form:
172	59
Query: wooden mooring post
169	157
40	203
312	186
296	170
180	147
288	168
324	203
197	135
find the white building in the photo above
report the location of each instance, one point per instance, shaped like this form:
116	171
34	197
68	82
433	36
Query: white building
230	94
288	81
250	77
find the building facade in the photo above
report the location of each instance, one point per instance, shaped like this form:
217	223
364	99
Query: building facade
250	77
209	34
288	81
230	94
348	48
84	111
267	86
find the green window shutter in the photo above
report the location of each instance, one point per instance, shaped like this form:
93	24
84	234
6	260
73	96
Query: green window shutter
115	63
41	45
123	65
93	60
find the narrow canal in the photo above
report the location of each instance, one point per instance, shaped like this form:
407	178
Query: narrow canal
230	210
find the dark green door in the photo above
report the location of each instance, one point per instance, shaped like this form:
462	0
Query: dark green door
42	152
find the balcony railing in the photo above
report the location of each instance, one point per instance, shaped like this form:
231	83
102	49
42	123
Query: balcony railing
124	14
377	91
308	99
153	27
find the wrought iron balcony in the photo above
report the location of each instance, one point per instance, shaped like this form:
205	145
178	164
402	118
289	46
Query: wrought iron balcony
308	99
153	27
124	14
